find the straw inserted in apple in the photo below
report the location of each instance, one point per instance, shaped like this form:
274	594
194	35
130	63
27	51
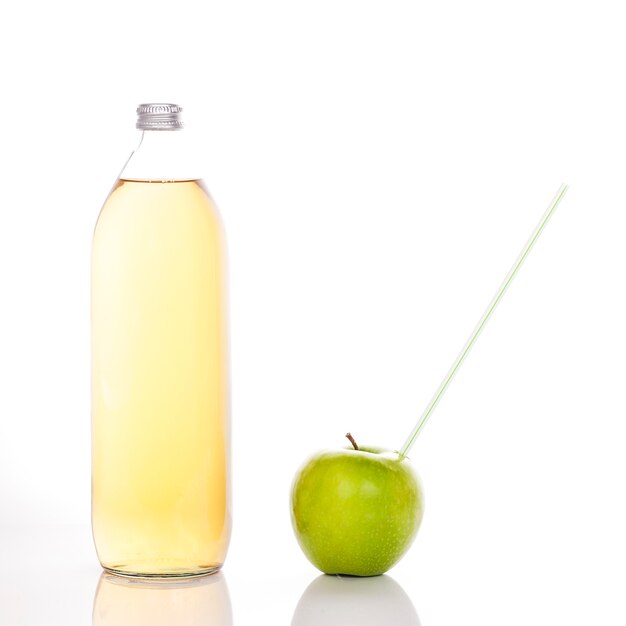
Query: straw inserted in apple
430	407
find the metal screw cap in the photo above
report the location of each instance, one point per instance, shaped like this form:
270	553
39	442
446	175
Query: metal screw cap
159	116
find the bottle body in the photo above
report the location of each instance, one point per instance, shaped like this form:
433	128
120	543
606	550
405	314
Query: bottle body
160	422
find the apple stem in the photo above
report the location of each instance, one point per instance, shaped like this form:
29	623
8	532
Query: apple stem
352	441
481	324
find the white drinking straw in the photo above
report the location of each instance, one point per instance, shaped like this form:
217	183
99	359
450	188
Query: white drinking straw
483	321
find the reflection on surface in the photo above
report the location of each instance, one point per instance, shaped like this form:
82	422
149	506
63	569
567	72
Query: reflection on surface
143	602
335	601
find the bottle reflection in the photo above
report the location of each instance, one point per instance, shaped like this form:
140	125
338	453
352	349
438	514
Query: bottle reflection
337	601
143	602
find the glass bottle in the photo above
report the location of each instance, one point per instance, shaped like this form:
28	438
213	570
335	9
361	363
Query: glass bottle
160	406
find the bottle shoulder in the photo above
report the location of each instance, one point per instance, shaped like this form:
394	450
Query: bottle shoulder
176	194
148	205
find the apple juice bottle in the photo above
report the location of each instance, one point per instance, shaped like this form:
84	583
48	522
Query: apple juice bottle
160	421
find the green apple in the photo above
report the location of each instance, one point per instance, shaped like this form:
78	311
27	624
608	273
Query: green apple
356	511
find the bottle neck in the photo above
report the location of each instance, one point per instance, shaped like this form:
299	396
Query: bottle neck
161	156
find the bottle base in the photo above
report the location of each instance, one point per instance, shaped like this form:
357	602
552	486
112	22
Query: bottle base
129	571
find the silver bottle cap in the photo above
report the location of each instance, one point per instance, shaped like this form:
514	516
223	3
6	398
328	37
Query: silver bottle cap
159	116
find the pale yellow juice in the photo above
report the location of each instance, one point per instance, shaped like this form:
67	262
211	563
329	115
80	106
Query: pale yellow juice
160	492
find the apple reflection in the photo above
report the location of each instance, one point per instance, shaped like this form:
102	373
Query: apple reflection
143	602
341	600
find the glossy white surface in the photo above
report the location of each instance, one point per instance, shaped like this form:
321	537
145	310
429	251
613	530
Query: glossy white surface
50	577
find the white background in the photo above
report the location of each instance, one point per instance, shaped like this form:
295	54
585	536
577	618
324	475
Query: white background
378	166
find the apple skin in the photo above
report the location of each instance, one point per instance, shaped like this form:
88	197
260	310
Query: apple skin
356	512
